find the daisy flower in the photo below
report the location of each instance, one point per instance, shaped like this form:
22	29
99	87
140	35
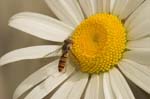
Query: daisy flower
110	40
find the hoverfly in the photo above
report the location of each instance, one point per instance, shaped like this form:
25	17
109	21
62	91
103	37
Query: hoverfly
64	55
65	52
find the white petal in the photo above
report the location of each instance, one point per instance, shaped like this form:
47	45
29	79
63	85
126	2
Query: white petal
129	8
141	30
100	6
67	89
112	4
47	86
138	23
41	26
108	92
101	89
35	78
95	88
141	43
68	11
137	17
118	6
106	6
137	73
140	56
33	52
89	7
78	88
120	86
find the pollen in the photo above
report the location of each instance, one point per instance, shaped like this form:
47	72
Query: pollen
98	43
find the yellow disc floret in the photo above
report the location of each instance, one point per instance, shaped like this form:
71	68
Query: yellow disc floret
98	43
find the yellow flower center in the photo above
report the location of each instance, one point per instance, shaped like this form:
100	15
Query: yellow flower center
98	43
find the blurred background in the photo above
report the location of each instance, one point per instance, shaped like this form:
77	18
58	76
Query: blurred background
10	39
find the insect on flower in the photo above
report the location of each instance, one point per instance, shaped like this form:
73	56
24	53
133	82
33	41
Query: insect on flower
107	40
65	53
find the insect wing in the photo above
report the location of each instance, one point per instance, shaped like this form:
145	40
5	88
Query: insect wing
57	52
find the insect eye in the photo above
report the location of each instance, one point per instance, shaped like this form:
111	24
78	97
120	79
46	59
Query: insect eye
65	41
68	41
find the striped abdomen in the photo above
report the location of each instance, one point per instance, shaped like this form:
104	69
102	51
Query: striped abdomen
62	62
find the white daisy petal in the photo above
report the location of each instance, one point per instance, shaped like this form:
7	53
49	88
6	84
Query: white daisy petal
100	6
78	88
141	30
137	17
112	4
118	6
108	92
89	7
47	86
136	26
68	11
33	52
137	73
129	8
106	6
140	56
65	91
140	43
101	89
95	88
120	86
41	26
35	78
